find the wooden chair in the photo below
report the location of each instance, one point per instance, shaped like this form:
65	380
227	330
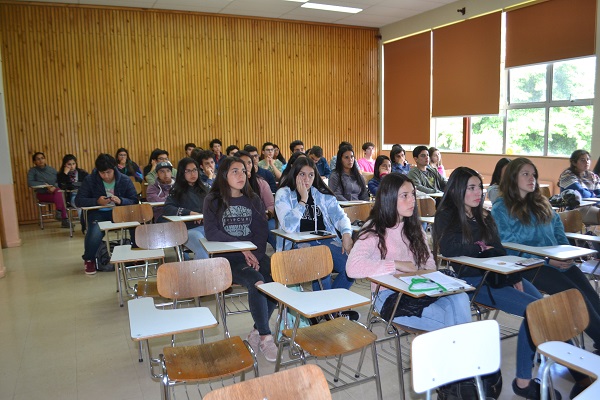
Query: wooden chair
545	191
332	338
360	212
206	361
572	221
44	208
560	317
426	206
303	382
455	345
141	213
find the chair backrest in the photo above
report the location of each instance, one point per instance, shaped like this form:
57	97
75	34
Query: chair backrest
141	213
304	382
426	206
572	220
138	187
545	191
194	278
360	211
161	236
367	176
559	317
455	353
306	264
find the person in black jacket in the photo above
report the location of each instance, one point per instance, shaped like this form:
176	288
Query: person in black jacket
69	177
105	186
187	198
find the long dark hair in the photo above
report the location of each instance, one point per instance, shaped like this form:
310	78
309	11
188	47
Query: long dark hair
254	177
181	186
290	179
384	215
453	203
290	163
280	156
128	162
220	188
378	161
354	171
574	158
497	175
65	160
533	203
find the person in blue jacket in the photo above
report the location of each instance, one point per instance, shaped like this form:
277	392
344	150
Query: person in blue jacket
578	177
525	216
105	186
383	166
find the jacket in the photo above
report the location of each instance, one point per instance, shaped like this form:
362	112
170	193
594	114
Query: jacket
191	200
93	188
156	193
351	189
427	182
64	181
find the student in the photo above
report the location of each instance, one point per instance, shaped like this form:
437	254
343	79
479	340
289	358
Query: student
160	189
383	166
207	167
297	146
69	177
435	160
269	161
316	154
43	174
231	150
105	186
304	203
215	146
367	163
189	147
333	161
187	198
346	180
278	155
261	187
493	191
398	158
264	173
426	178
578	177
159	156
392	241
126	166
463	228
525	216
233	212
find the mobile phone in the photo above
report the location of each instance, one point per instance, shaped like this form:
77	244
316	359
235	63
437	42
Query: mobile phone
321	233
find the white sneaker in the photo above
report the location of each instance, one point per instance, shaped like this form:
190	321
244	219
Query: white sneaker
268	348
253	339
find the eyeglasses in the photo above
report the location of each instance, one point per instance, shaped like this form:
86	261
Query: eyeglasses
254	155
191	171
269	150
237	172
162	159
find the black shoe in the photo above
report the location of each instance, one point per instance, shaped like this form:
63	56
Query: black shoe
65	223
57	215
351	315
532	391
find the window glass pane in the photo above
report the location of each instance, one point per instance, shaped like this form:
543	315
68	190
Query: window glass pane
570	128
525	131
574	79
449	133
487	134
527	84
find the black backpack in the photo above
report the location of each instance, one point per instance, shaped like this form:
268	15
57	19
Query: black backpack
466	389
103	258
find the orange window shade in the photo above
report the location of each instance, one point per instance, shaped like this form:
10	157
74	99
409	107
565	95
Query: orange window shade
550	31
466	67
407	86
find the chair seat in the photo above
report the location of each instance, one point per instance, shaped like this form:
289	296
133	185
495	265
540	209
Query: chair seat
409	329
335	337
146	289
208	361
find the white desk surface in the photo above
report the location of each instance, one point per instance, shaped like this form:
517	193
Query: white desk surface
594	199
392	282
90	208
436	194
312	304
299	237
184	218
428	220
125	253
109	226
40	186
213	247
579	236
154	203
502	264
146	321
560	252
349	203
585	203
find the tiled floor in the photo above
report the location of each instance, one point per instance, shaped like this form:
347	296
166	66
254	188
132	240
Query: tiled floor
63	335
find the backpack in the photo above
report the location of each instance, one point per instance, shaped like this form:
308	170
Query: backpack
466	389
103	258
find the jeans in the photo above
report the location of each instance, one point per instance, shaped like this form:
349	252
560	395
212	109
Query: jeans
93	235
446	311
553	280
512	301
339	265
261	305
193	242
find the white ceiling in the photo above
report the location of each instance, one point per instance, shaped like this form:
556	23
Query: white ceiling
376	13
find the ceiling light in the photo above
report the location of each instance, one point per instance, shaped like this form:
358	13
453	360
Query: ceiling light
327	7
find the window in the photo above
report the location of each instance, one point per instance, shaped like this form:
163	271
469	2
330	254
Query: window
548	111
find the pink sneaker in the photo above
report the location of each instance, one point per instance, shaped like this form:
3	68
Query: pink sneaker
253	339
268	348
90	267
